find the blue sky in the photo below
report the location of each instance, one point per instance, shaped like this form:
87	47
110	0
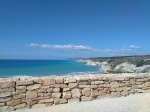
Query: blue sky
58	29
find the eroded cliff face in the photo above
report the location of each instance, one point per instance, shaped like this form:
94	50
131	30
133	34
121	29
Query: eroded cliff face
127	64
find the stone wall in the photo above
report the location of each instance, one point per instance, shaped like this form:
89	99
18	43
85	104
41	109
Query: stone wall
46	91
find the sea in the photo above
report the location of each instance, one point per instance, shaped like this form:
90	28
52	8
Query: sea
32	68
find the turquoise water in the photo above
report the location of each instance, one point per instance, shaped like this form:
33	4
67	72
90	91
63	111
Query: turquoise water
20	68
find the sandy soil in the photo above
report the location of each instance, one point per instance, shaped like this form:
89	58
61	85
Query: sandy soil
132	103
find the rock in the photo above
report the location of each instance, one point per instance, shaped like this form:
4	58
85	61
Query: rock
125	93
56	95
66	95
20	87
94	93
9	89
115	94
32	87
88	86
46	101
84	98
18	96
1	90
20	106
5	94
6	109
38	106
14	102
114	84
72	85
47	82
20	91
31	94
147	84
66	89
38	81
2	104
56	90
74	100
60	101
5	99
76	93
7	84
98	82
63	86
126	88
24	82
70	80
59	80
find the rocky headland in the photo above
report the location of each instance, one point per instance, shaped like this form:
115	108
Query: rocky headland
121	64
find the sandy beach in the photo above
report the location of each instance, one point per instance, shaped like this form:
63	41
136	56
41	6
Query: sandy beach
132	103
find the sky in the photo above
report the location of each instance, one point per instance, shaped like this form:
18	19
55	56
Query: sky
60	29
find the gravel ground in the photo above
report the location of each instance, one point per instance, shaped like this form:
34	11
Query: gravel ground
132	103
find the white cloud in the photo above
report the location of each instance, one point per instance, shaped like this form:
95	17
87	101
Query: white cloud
65	47
134	47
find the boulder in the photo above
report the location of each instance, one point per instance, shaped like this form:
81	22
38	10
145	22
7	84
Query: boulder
76	93
31	94
72	85
66	95
56	95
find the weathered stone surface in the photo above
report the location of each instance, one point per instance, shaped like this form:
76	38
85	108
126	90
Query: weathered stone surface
141	91
94	93
72	85
38	81
60	101
70	80
85	83
76	93
11	89
5	99
41	90
32	87
20	106
59	80
5	94
20	87
66	95
47	82
119	78
38	106
88	86
115	94
56	90
31	94
17	96
2	104
125	93
6	109
86	92
13	102
7	84
56	95
74	100
147	84
46	101
119	89
97	82
126	88
114	84
63	86
20	91
84	98
49	90
66	89
1	90
24	82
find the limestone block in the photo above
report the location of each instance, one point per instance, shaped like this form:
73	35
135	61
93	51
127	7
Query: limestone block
6	109
88	86
41	90
60	101
46	101
115	94
114	84
13	102
38	81
55	86
126	88
7	84
38	106
84	98
5	94
86	92
72	85
125	93
63	86
85	83
56	90
70	80
147	84
9	89
24	82
141	91
139	82
119	89
20	106
119	78
2	104
31	94
5	99
50	90
135	86
66	95
59	80
140	86
20	91
20	87
66	89
74	100
31	103
47	82
56	95
32	87
113	90
17	96
98	82
76	93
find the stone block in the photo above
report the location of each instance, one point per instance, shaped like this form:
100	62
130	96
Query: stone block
63	86
46	101
74	100
56	90
2	104
115	94
20	91
6	109
7	84
66	89
31	94
60	101
84	98
1	90
5	94
66	95
94	93
72	85
5	99
85	83
125	93
88	86
20	87
147	84
13	102
24	82
76	93
38	106
38	81
47	82
33	87
59	80
18	96
56	95
20	106
70	80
